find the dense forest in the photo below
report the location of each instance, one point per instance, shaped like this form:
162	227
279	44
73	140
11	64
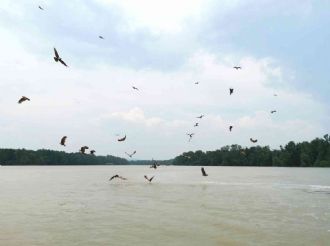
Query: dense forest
51	157
306	154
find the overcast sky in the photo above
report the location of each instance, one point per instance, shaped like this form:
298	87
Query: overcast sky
163	48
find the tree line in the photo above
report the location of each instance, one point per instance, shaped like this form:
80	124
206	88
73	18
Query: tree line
305	154
52	157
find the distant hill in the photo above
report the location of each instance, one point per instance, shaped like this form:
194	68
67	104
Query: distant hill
52	157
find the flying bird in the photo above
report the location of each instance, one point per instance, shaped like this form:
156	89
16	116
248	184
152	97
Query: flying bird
196	124
145	176
117	176
130	155
83	149
40	7
230	128
275	95
135	88
231	91
190	135
200	117
154	166
196	83
203	172
23	99
237	67
63	139
92	152
273	111
122	139
253	140
101	37
58	58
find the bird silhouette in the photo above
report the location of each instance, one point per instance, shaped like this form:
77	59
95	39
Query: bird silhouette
237	67
273	111
275	95
200	117
122	139
40	7
196	83
101	37
190	135
231	91
117	176
83	149
135	88
146	177
253	140
196	124
130	155
203	172
58	58
63	139
92	152
154	165
23	99
230	128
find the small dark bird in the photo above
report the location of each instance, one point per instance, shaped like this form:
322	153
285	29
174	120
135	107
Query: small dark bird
122	139
63	140
203	172
117	176
231	91
200	117
40	7
275	95
237	67
101	37
23	99
196	83
253	140
273	111
58	58
154	166
130	155
83	149
92	152
145	176
135	88
190	135
230	128
196	124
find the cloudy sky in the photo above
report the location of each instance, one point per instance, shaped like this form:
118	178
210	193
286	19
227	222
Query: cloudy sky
163	48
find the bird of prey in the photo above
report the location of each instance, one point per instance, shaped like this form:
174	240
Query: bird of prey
273	111
117	176
190	135
130	155
231	91
237	67
230	128
58	58
196	83
122	139
201	116
253	140
63	140
135	88
83	149
203	172
196	124
92	152
101	37
23	99
145	176
40	7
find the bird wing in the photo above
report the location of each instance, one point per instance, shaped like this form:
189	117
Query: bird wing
114	176
61	61
151	178
63	140
56	54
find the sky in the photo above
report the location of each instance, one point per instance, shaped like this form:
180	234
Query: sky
163	48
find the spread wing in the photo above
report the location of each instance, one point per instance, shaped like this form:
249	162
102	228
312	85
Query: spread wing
61	61
56	54
151	178
63	140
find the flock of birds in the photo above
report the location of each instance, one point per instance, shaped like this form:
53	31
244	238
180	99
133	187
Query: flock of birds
83	149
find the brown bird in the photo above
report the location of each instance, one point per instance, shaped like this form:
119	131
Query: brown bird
237	67
200	117
273	111
92	152
253	140
40	7
58	58
122	139
63	140
130	155
145	176
83	149
23	99
117	176
203	172
101	37
230	128
231	91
